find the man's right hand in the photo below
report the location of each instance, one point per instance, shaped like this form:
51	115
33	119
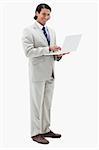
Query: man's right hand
54	48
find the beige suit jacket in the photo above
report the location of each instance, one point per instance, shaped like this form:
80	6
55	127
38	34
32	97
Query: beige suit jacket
36	47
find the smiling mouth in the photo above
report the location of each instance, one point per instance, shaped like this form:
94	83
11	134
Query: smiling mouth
44	20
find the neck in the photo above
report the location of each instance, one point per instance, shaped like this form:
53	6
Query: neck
40	23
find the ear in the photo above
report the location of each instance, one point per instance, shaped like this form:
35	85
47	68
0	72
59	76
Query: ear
49	17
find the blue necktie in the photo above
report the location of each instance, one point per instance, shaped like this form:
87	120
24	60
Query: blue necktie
44	31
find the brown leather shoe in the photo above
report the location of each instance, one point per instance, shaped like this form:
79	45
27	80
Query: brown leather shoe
40	139
52	135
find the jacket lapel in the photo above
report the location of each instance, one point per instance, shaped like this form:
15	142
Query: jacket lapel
40	33
51	36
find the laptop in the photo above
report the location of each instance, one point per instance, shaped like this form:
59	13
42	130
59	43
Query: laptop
70	44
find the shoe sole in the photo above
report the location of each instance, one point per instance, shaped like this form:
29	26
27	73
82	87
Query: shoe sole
40	142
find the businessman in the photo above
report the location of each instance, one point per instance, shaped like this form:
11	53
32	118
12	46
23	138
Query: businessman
38	41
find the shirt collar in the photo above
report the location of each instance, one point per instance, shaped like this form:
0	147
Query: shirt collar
39	25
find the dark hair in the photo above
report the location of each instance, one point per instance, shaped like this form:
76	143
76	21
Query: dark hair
39	7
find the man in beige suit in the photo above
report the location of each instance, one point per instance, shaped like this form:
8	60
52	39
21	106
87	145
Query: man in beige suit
38	40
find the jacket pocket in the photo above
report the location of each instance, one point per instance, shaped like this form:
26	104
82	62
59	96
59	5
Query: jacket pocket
37	60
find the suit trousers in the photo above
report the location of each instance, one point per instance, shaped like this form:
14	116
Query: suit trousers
41	93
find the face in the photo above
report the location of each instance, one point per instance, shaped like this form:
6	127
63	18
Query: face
43	16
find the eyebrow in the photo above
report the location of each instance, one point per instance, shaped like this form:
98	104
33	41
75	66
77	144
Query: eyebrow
45	13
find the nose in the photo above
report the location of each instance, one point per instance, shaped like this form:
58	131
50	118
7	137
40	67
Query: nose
47	17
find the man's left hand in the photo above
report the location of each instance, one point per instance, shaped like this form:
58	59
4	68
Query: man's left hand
62	54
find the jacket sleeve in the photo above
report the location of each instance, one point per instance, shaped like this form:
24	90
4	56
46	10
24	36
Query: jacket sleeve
55	57
28	45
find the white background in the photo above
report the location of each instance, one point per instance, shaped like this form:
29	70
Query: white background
74	109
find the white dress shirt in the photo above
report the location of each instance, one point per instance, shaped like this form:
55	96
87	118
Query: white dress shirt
46	29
